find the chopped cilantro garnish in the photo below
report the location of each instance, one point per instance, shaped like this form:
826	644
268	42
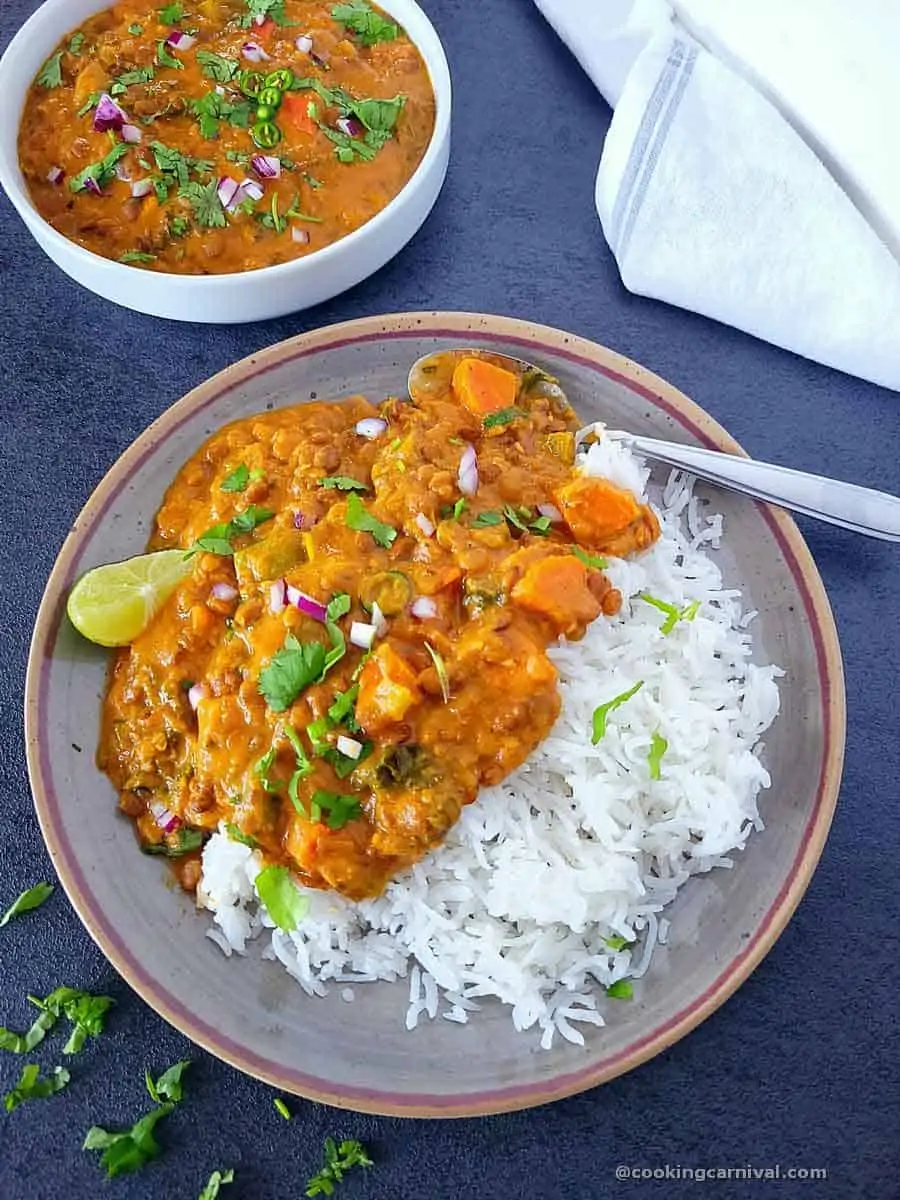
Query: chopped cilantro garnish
540	526
282	1108
674	614
441	669
214	1183
620	990
168	1086
459	508
136	256
616	942
486	519
205	201
186	840
343	764
360	519
215	67
237	480
100	172
24	1043
92	101
165	57
238	156
304	767
314	183
32	1087
594	561
317	732
369	26
273	9
340	809
50	74
178	227
31	898
344	704
172	13
85	1011
135	30
218	538
291	670
343	483
378	118
602	712
237	835
286	904
514	518
213	108
658	747
140	75
161	187
177	165
262	768
338	1160
75	44
504	417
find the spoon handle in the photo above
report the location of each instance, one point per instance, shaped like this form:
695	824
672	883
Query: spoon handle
864	510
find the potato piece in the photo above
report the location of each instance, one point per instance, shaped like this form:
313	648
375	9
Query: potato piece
482	387
387	690
270	557
557	588
595	509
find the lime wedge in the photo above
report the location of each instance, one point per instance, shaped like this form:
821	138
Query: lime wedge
112	604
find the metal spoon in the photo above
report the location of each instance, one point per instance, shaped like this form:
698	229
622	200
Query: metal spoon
863	510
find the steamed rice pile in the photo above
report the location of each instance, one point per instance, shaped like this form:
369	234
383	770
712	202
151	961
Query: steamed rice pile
578	846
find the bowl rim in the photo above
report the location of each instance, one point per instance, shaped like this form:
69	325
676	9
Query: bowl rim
13	183
694	420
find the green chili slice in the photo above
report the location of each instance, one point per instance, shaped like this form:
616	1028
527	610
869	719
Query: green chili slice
266	135
251	83
281	79
265	113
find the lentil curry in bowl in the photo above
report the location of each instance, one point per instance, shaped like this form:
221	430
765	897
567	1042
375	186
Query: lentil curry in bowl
361	643
227	135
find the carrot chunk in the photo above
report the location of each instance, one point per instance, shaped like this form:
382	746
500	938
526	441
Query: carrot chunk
482	387
595	509
557	588
387	690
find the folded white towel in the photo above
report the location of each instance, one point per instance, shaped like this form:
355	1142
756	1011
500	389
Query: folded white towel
752	178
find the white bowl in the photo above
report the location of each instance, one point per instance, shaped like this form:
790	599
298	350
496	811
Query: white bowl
241	296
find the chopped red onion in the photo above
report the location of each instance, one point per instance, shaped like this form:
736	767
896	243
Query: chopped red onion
56	175
224	591
123	173
300	236
423	607
551	511
251	190
319	59
180	41
227	190
362	635
304	520
379	620
267	166
108	115
306	604
141	188
349	125
467	476
349	746
196	693
425	525
164	817
371	427
304	43
254	53
131	134
277	597
91	185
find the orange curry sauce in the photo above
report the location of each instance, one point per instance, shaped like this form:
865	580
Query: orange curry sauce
456	689
340	106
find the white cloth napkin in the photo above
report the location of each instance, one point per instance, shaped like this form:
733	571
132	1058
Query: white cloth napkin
750	172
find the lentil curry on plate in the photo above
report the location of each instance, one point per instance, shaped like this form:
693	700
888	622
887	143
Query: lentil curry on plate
224	135
361	644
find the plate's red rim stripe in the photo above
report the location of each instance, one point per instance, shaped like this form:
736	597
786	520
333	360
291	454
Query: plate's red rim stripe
560	1084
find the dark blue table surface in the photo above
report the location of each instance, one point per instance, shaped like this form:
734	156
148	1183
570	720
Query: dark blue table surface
801	1067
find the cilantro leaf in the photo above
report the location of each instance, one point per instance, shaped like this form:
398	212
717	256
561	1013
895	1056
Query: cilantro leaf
360	519
282	1108
620	990
136	256
205	201
343	483
674	614
369	26
128	1150
658	747
168	1086
99	172
84	1010
24	1043
286	904
177	165
616	942
92	101
238	835
50	74
338	1160
31	898
135	30
594	561
262	768
273	9
140	75
340	809
75	44
237	480
178	227
32	1087
186	841
172	13
211	1191
344	704
218	538
504	417
290	671
487	519
165	57
222	70
602	711
304	767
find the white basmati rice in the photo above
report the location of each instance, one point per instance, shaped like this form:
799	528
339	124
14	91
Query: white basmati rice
577	846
